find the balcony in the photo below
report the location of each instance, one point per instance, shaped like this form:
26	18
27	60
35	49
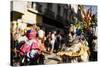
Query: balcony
39	7
49	13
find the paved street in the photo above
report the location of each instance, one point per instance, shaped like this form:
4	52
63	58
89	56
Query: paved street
52	59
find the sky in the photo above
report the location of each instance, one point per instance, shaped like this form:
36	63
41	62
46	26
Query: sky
93	7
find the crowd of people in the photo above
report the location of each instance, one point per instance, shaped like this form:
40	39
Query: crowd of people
30	43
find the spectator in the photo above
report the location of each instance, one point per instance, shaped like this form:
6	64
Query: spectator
53	38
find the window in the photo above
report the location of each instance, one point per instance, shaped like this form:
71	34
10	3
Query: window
64	13
29	4
49	5
59	9
39	7
32	5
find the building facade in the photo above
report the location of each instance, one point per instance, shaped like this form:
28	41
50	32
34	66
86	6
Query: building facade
55	16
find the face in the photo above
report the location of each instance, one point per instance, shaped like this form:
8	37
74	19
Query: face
16	36
49	33
54	32
72	33
31	35
71	36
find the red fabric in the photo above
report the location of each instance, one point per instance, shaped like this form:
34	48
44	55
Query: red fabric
26	48
35	44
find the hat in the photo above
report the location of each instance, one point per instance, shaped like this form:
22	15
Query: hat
29	31
31	22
